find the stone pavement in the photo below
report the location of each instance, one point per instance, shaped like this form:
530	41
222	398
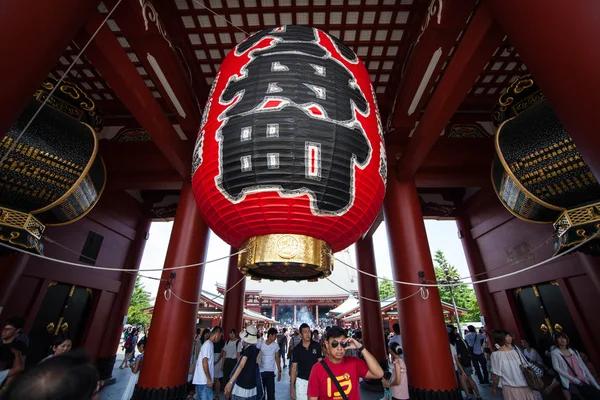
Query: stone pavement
282	389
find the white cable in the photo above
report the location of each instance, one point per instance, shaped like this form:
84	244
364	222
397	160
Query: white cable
475	282
170	293
14	143
220	16
118	269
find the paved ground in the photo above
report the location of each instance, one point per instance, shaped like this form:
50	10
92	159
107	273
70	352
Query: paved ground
282	389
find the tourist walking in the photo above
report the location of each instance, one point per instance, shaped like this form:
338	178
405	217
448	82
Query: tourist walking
474	341
219	353
135	368
339	374
575	377
282	341
398	382
462	364
269	361
130	344
233	349
304	356
205	366
506	369
245	383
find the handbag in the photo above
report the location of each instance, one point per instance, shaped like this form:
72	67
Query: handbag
539	371
533	380
334	380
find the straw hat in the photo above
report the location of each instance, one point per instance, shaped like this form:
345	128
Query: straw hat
249	335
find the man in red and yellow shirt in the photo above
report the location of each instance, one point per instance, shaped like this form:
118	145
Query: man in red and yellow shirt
347	370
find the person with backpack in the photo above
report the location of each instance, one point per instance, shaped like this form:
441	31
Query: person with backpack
463	363
233	349
130	343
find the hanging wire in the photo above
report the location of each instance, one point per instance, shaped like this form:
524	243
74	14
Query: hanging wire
220	16
169	292
16	141
117	269
474	282
511	263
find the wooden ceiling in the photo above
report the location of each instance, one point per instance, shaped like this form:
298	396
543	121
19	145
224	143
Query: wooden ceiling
189	39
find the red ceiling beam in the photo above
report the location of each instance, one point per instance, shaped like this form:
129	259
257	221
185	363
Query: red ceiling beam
112	62
179	37
452	177
155	52
143	181
438	33
34	35
482	37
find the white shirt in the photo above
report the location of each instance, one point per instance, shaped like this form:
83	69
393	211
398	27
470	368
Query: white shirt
268	353
453	353
207	351
232	347
507	365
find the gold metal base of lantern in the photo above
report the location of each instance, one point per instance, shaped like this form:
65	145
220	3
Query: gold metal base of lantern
285	257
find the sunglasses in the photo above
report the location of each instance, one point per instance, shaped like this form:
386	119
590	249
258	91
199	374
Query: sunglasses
335	344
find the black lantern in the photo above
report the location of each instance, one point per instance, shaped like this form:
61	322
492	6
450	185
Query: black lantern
52	175
538	173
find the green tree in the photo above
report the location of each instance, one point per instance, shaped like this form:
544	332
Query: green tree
463	294
140	299
386	289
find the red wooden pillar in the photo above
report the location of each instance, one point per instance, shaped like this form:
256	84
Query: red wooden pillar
564	62
168	359
370	311
430	368
36	33
592	268
476	267
112	332
233	306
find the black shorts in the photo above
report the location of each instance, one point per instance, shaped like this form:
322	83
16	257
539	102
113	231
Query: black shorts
128	349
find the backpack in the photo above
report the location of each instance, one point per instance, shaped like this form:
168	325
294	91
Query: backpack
462	351
129	341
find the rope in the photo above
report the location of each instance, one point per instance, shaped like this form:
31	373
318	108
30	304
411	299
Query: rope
475	282
169	292
16	141
74	264
222	17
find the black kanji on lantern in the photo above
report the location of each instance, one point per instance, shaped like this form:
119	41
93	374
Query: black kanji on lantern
293	125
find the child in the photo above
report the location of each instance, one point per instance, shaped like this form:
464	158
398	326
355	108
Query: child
398	382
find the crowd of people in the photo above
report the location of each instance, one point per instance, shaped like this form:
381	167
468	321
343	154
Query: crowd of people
321	364
520	371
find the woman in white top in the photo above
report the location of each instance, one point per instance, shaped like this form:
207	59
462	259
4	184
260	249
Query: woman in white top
575	376
531	354
506	369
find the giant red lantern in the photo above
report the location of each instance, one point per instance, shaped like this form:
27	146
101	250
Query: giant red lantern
290	163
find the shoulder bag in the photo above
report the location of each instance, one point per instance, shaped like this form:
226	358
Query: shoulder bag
533	380
334	380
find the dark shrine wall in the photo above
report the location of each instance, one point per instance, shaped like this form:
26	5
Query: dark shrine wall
504	242
114	218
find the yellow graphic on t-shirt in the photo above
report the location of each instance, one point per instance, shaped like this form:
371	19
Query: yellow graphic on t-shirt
344	380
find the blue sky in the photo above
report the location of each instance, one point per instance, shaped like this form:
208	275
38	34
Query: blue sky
442	235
